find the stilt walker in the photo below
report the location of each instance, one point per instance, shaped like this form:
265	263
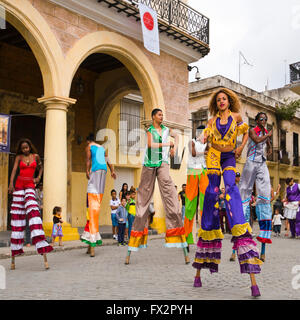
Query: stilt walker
24	203
222	131
96	168
196	184
256	171
156	165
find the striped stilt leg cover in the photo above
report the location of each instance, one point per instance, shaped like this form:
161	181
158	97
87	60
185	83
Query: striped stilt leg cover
18	223
26	201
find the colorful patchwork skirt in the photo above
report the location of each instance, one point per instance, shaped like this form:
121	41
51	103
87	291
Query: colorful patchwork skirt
208	253
197	182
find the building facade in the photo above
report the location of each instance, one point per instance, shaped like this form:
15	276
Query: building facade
284	160
70	67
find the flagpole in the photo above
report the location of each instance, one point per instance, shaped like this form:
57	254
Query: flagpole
245	62
239	67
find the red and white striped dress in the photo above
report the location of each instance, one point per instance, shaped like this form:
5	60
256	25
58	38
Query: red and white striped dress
25	204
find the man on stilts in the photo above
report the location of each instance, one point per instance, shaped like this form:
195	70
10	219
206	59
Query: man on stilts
156	165
197	181
96	168
256	171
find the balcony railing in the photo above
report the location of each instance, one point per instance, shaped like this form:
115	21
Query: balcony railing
295	72
284	157
175	18
274	156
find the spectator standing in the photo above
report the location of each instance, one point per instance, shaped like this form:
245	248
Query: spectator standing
130	207
123	191
222	212
277	222
182	198
122	216
114	205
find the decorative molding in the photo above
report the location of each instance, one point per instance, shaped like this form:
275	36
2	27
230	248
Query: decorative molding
57	103
169	124
134	97
101	14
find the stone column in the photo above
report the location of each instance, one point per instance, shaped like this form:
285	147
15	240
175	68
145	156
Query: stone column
55	162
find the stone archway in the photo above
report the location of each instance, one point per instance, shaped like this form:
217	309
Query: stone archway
47	52
114	93
125	51
42	41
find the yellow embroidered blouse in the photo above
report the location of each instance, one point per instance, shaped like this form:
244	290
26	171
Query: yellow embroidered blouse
230	137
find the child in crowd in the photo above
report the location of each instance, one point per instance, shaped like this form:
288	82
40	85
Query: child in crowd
57	225
130	207
277	222
114	205
122	216
127	196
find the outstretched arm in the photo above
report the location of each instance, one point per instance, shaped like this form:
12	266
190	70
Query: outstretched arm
111	166
174	135
88	162
239	150
152	144
13	174
40	168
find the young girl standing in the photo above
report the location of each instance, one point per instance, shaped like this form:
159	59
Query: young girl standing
57	226
131	209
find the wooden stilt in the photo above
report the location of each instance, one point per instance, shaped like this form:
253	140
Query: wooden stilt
92	251
127	260
186	257
45	261
13	265
252	278
88	250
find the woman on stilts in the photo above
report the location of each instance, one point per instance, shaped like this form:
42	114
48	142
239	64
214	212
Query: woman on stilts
156	165
222	131
24	202
96	168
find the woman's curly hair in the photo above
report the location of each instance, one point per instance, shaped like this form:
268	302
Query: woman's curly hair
234	102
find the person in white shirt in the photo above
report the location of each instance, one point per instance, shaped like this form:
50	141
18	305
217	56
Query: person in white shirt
114	205
197	181
277	222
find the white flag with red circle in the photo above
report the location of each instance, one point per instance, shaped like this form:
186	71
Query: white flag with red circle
149	28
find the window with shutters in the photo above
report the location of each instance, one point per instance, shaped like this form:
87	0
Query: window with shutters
130	127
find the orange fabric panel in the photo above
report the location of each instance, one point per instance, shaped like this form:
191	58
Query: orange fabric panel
94	210
188	226
191	190
203	183
175	232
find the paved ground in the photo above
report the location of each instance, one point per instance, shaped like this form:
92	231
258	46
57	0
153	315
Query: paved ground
154	273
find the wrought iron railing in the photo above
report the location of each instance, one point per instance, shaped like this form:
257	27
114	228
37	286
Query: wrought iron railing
295	72
172	14
180	15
